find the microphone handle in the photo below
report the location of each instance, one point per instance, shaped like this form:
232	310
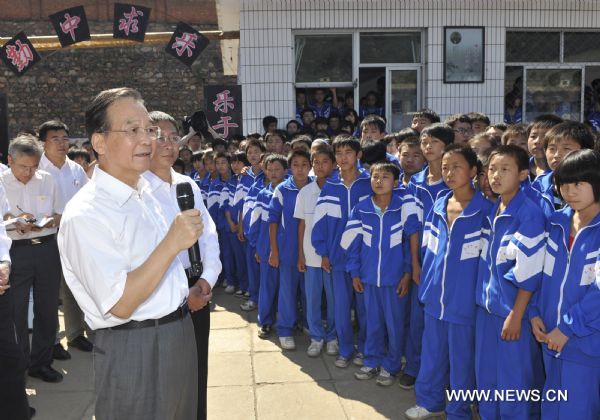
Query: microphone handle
195	260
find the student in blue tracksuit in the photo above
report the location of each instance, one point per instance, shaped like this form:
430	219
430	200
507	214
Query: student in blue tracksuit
338	197
283	235
425	186
244	202
372	127
452	247
510	270
276	169
560	140
378	261
208	160
199	169
566	313
231	215
536	132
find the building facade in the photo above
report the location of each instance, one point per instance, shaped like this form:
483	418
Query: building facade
520	58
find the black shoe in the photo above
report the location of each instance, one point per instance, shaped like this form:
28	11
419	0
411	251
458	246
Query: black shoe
31	411
81	343
406	381
46	374
59	352
265	331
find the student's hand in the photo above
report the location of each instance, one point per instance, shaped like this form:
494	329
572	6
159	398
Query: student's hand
197	299
244	170
257	258
404	285
233	227
326	265
416	273
274	258
4	276
538	329
301	262
357	284
240	234
556	340
511	329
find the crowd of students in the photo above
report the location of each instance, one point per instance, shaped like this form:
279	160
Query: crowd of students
460	255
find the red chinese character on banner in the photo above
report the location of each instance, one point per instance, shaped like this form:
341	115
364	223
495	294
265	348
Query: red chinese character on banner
185	43
130	23
20	55
224	102
70	24
225	123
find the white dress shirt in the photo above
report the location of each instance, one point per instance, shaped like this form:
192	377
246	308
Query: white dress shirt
305	209
166	195
40	197
108	230
5	241
70	178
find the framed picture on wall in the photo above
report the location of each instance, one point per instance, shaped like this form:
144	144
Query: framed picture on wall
464	52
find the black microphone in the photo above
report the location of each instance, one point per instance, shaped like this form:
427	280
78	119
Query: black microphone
185	200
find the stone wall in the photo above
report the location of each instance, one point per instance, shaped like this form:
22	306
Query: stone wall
62	84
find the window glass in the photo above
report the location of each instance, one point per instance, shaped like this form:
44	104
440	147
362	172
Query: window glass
581	47
323	58
532	47
553	91
376	47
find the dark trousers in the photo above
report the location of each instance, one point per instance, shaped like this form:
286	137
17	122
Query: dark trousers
201	320
36	266
13	401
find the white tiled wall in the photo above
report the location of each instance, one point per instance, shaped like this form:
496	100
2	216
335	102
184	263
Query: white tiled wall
267	59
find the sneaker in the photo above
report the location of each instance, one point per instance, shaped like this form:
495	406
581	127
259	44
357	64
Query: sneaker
359	359
248	306
385	378
418	413
406	381
332	347
239	294
230	290
287	343
314	350
341	362
365	373
264	332
247	295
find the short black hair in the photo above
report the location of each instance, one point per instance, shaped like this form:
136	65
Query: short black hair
274	157
96	112
219	142
346	140
430	114
268	120
373	152
406	133
412	141
386	167
79	153
464	150
579	166
440	131
255	143
298	153
544	121
305	110
572	130
514	130
197	156
51	125
322	149
520	156
479	117
373	120
453	119
292	122
223	155
240	157
301	138
276	133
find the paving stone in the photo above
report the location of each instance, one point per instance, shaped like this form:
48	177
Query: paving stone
229	340
290	366
230	403
226	369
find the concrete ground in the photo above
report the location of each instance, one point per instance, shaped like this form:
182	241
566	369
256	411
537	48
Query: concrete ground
249	378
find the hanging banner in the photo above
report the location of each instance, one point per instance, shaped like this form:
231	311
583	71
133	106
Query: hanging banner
130	22
71	26
223	108
186	44
19	55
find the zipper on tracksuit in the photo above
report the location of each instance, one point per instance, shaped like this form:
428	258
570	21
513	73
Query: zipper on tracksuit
379	248
449	230
489	262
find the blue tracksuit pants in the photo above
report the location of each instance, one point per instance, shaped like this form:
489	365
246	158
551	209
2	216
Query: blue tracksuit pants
505	365
253	272
385	312
289	286
238	250
415	334
344	299
267	297
582	384
315	281
227	258
447	358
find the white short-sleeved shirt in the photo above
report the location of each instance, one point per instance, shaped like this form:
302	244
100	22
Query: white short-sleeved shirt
305	209
109	229
70	178
166	195
40	197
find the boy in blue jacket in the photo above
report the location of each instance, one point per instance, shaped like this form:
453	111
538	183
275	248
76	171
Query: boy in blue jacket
275	168
452	246
223	174
425	186
510	270
283	235
566	314
378	261
338	197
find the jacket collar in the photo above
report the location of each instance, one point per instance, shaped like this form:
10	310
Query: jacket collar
472	208
118	190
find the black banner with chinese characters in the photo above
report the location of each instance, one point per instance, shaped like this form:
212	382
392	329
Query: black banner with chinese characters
223	108
186	44
71	26
130	22
18	54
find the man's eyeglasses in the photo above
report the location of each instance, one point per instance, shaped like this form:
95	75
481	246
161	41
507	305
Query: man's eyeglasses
168	140
59	140
463	130
152	132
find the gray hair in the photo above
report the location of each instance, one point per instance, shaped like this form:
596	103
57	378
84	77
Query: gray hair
25	144
158	116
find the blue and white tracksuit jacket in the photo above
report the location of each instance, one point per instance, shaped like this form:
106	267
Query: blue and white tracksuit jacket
281	212
447	290
378	253
237	257
569	298
334	205
545	185
247	206
512	258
